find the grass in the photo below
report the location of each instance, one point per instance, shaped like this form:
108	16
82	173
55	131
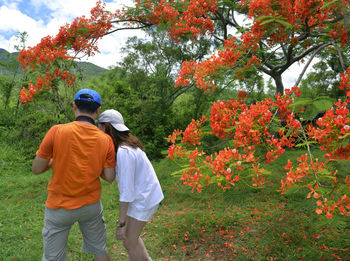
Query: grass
240	224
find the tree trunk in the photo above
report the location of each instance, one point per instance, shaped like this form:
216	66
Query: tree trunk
279	84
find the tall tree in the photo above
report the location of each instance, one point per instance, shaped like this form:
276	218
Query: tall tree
280	34
141	87
277	35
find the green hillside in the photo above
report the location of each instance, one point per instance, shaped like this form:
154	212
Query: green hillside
8	61
6	56
90	70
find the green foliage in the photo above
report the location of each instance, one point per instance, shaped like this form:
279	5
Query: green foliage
6	89
239	224
87	70
9	64
323	80
193	104
143	111
29	122
309	108
141	87
11	77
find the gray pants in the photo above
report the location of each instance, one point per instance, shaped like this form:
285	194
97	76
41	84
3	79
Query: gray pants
58	222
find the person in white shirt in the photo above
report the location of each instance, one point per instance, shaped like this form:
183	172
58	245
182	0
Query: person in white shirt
139	189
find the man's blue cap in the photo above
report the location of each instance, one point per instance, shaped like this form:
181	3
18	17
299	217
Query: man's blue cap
88	95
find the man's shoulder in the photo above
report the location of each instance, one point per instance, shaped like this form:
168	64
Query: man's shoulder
61	125
55	127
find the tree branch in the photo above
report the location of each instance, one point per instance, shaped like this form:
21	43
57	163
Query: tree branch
177	93
309	62
126	28
340	56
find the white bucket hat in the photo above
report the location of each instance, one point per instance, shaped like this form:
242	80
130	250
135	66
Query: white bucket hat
113	117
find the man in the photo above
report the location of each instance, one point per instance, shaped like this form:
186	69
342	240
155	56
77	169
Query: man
79	154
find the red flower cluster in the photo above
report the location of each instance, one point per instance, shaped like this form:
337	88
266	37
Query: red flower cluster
303	170
283	14
247	128
277	21
343	206
172	138
315	168
203	73
192	133
223	116
78	37
333	132
225	167
175	151
184	18
193	176
345	83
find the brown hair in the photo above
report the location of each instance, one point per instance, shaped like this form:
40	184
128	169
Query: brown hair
122	137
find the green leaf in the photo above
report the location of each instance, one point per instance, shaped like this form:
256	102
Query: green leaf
300	102
216	179
286	24
329	3
263	17
164	152
344	136
325	174
180	171
268	21
323	103
305	143
265	172
313	106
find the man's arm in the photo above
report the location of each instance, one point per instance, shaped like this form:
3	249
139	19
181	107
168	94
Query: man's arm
41	165
108	174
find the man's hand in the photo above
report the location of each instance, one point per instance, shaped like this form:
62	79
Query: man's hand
41	165
108	174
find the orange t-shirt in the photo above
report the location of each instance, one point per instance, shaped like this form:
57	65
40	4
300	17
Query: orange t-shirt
79	153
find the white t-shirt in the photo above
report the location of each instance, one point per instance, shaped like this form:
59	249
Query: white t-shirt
137	181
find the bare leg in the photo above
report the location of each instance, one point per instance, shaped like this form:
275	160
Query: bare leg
103	258
133	243
145	255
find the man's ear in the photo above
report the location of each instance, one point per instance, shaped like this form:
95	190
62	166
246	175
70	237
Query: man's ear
75	108
98	110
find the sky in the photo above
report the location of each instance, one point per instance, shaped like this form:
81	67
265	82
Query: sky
40	18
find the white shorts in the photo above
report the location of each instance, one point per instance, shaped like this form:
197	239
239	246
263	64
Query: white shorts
143	214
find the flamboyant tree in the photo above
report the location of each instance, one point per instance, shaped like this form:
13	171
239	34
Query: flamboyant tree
279	34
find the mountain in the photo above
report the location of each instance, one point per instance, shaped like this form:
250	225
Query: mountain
90	70
9	60
5	56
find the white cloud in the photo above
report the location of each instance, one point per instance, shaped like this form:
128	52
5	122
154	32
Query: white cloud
57	14
291	75
13	21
